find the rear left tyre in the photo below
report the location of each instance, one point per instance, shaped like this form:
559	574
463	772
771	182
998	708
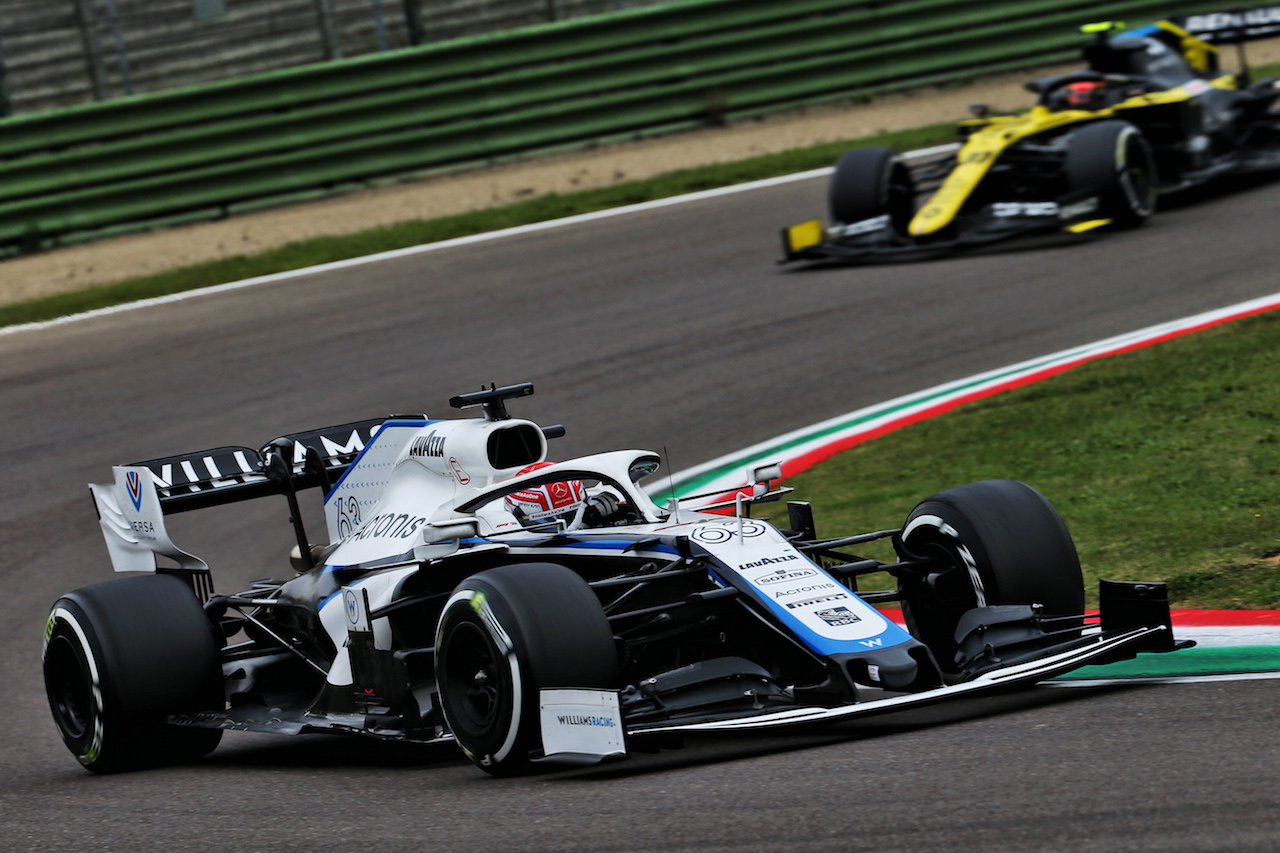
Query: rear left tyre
121	656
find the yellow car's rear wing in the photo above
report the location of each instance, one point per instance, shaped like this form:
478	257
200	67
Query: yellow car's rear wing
1232	27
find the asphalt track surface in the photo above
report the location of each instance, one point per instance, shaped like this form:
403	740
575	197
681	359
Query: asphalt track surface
672	329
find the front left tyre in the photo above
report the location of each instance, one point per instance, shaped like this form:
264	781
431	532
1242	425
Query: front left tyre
872	182
119	658
504	635
994	542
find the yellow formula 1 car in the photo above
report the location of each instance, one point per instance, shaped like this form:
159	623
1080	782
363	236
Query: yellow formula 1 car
1152	113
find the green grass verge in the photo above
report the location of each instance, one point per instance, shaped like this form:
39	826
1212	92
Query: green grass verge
1164	462
321	250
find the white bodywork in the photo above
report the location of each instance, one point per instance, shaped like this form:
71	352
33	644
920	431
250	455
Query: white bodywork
400	501
414	472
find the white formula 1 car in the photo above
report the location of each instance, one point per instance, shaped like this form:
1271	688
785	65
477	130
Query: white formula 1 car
540	613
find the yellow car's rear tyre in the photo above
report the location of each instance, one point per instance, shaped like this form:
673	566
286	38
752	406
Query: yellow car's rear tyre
1112	159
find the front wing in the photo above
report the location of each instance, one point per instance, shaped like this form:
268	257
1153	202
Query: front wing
591	742
595	724
874	239
1098	649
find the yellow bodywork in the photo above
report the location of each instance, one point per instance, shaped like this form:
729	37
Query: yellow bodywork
977	156
1196	51
986	144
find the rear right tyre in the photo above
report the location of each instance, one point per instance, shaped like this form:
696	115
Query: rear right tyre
1113	159
118	658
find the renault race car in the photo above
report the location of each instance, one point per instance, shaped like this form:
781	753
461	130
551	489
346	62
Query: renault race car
1151	113
540	613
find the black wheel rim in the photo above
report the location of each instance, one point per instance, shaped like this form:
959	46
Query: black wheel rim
1138	175
1141	186
952	588
473	677
67	682
934	608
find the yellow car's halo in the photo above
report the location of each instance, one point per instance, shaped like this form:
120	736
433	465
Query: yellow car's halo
1102	27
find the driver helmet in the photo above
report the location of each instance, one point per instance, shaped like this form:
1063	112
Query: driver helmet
1085	95
550	500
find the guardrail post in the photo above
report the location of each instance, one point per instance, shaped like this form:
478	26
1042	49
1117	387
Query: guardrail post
122	58
324	14
92	52
6	105
413	22
380	25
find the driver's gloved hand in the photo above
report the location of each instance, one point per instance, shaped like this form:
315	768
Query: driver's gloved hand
600	508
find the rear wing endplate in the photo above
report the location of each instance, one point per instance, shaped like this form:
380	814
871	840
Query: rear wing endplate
133	527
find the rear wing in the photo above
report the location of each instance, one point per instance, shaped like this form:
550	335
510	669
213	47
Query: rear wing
131	510
222	475
1232	27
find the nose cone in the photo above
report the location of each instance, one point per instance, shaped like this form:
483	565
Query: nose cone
929	219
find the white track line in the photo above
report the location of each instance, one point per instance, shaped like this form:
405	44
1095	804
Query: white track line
421	249
457	241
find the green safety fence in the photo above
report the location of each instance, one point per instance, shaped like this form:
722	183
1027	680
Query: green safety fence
208	151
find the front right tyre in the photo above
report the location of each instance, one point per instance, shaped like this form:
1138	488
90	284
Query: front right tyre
504	635
871	182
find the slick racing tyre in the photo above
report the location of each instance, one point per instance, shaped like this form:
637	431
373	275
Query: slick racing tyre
1000	542
120	656
505	634
871	182
1112	159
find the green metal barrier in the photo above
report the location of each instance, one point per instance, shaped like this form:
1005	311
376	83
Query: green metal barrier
204	151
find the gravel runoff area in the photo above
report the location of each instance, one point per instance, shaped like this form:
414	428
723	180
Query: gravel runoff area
105	261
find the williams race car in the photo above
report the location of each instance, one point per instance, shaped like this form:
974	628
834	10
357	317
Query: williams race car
538	613
1152	113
